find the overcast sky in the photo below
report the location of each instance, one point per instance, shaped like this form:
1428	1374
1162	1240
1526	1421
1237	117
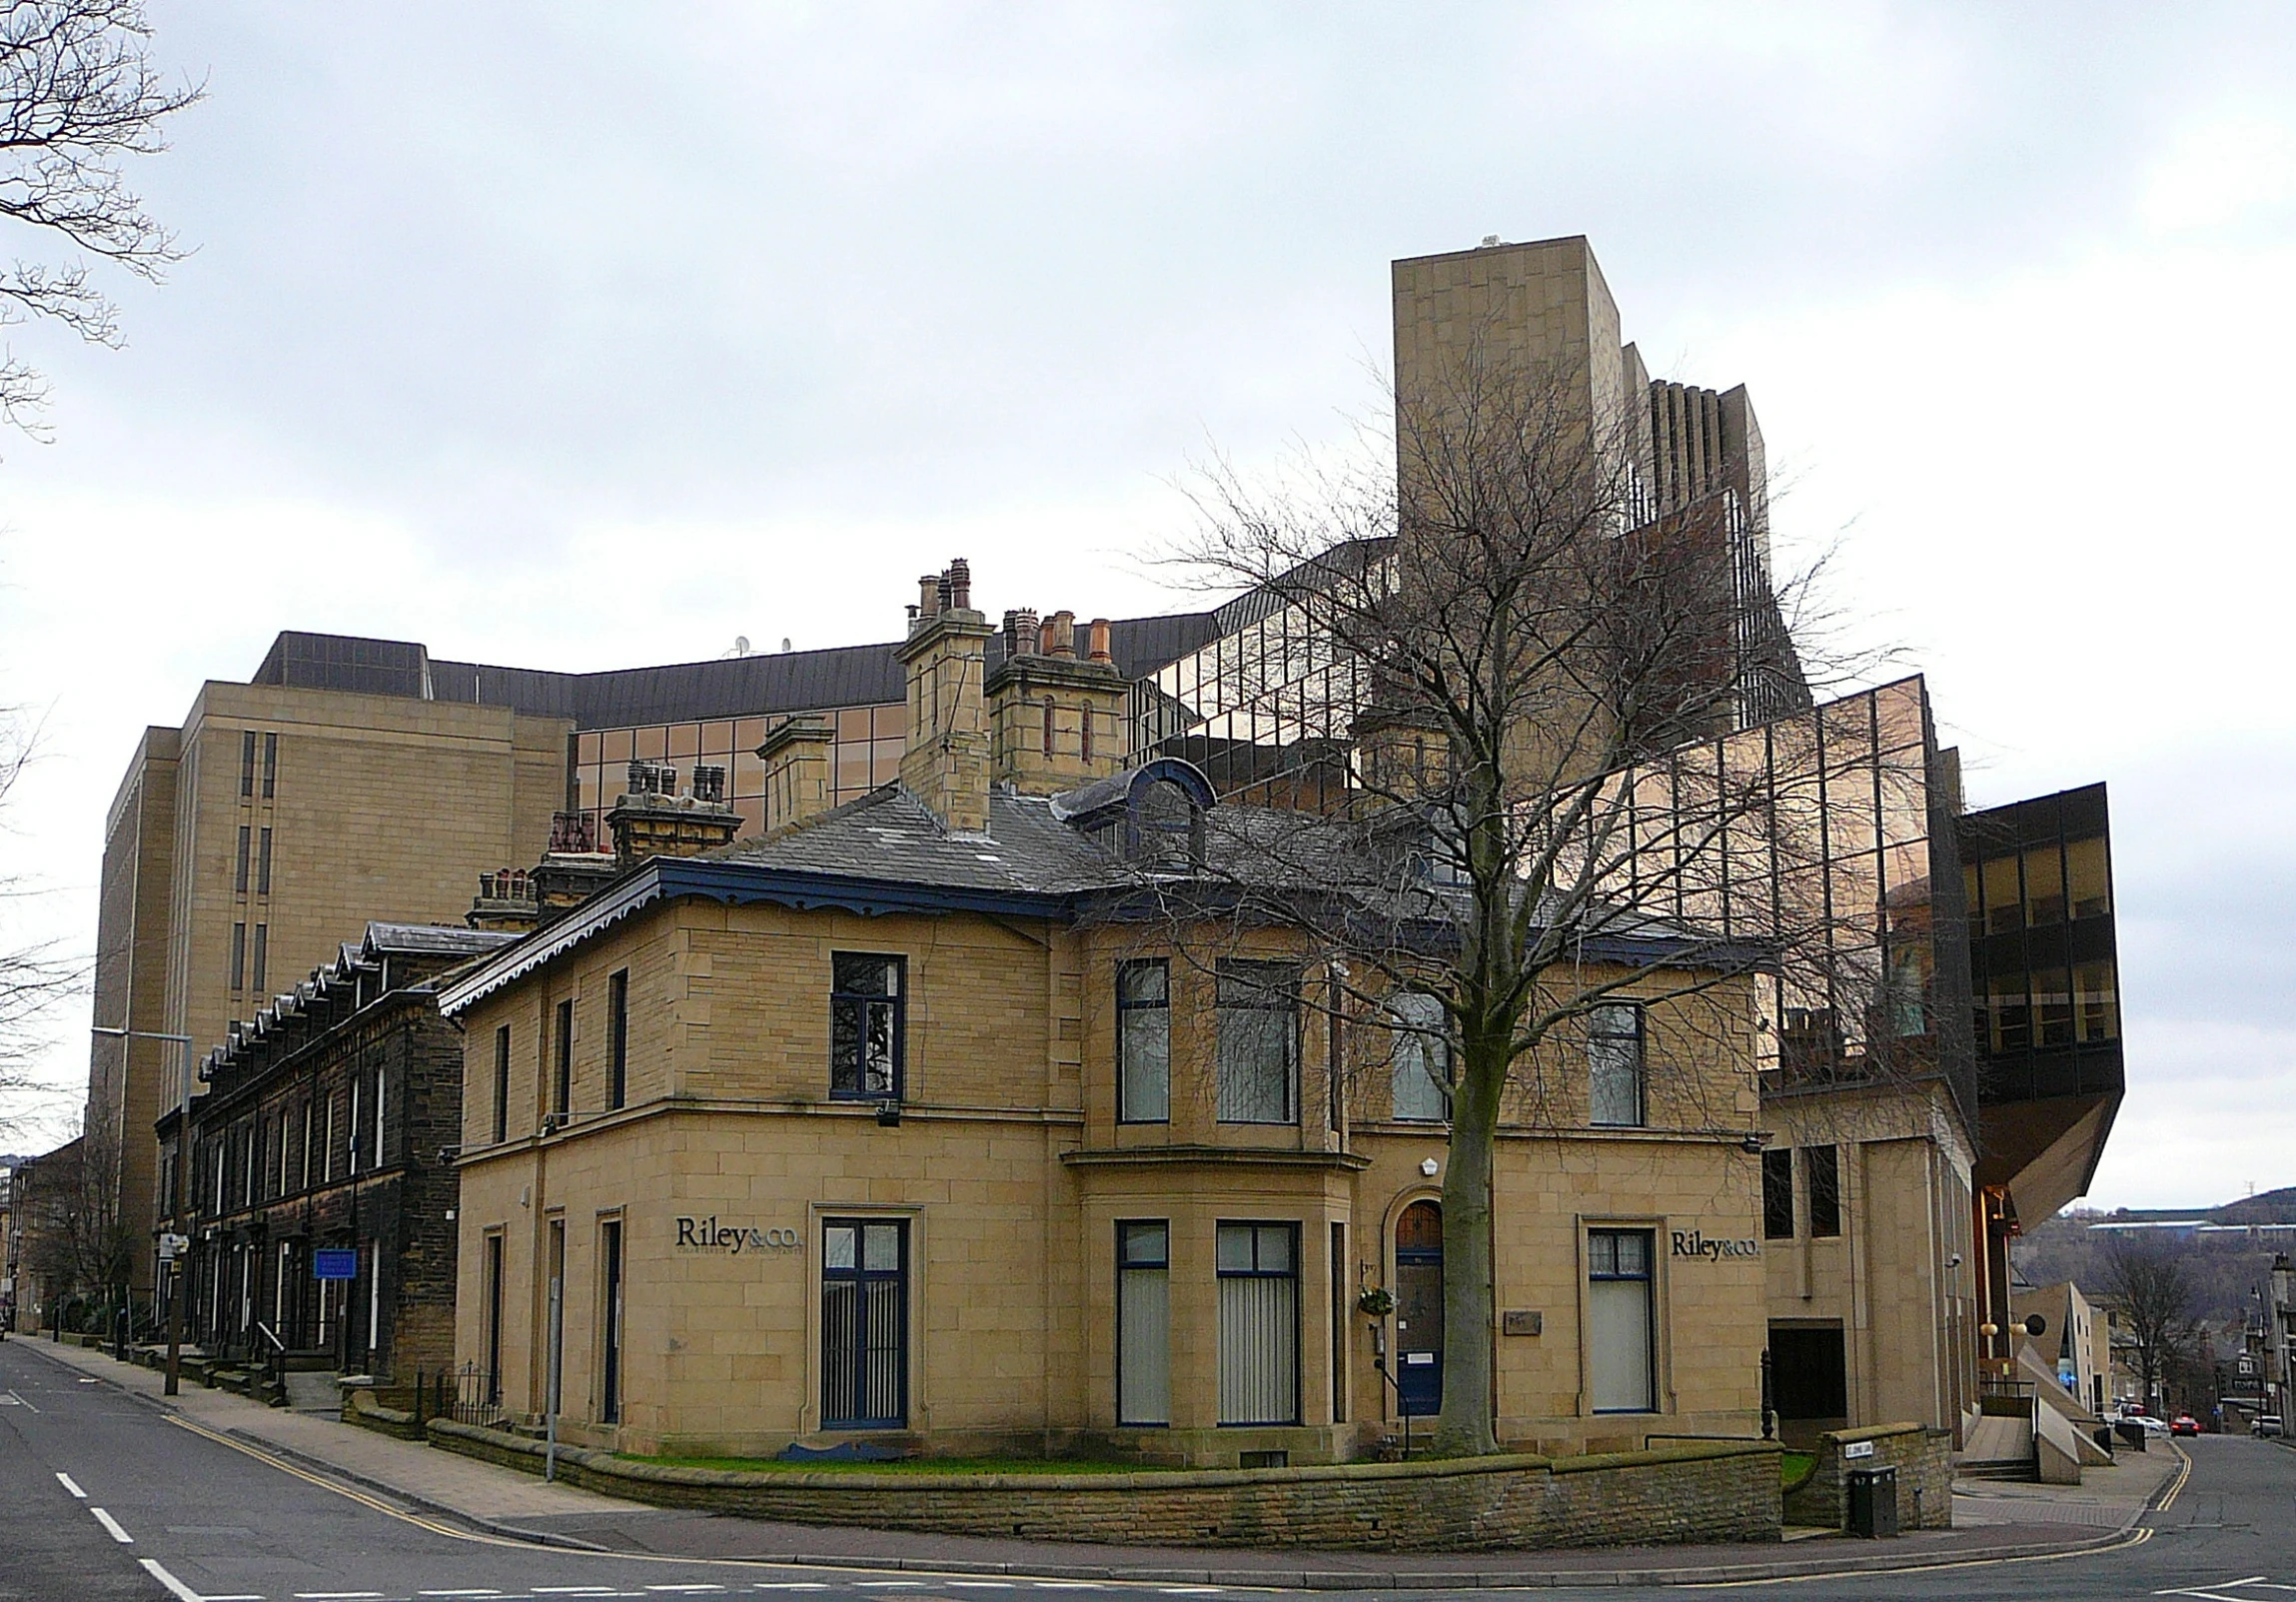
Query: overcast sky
579	337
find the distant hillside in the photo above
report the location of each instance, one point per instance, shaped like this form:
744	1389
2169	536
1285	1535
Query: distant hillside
2272	1207
2224	1268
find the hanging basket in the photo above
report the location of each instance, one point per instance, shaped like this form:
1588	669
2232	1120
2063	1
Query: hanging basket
1376	1302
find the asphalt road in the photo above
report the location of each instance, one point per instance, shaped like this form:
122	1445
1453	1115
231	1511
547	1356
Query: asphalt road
103	1496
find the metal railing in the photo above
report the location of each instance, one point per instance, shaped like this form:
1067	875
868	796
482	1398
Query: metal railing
467	1395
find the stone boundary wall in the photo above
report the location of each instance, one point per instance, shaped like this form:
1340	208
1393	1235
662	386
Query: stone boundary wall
1722	1491
1924	1458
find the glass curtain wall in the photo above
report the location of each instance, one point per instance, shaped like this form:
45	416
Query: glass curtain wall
1812	832
866	754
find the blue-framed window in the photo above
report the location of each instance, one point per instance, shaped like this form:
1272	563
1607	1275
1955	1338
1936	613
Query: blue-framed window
1259	1273
1616	1094
1258	1042
869	1022
1621	1320
864	1323
1144	1322
1144	1041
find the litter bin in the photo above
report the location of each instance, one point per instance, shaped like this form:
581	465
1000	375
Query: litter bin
1873	1501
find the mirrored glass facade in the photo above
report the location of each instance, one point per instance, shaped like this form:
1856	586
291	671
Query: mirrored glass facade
2043	961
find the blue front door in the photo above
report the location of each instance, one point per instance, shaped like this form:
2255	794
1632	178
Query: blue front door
1419	1310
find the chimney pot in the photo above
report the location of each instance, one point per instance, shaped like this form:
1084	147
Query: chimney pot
928	595
1062	633
960	585
1099	639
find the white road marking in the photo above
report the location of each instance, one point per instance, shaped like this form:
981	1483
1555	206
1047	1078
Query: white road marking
686	1588
980	1585
573	1590
2210	1596
15	1399
69	1485
790	1585
176	1588
1068	1585
112	1526
1191	1590
458	1593
338	1596
87	1382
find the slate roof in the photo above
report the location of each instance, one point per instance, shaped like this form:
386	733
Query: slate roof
735	686
890	834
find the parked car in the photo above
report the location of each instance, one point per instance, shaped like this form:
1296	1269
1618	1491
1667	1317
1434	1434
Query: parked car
2184	1424
2149	1424
2266	1424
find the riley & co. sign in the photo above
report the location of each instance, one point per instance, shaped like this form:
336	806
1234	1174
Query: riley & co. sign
707	1234
1694	1244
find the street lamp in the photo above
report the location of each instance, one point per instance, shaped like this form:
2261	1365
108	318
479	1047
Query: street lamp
182	1196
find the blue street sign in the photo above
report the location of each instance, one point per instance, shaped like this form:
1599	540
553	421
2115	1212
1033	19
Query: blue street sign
335	1266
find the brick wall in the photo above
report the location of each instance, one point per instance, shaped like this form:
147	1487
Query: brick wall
1922	1458
1724	1491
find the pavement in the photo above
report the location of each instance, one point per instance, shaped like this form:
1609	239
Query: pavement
1996	1523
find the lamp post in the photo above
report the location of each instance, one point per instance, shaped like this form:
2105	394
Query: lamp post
182	1197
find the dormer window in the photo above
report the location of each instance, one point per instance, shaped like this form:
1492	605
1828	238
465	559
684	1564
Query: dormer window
1152	816
1166	827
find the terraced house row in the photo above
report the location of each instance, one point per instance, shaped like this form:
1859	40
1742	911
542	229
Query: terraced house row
869	1043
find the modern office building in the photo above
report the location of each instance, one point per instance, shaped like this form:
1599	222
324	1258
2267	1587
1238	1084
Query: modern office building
359	780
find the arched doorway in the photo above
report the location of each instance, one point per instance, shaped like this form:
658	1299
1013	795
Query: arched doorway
1418	1309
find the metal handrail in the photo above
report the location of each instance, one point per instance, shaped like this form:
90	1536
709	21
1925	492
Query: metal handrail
264	1331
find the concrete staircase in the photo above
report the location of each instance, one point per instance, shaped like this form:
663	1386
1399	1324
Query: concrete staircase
2000	1447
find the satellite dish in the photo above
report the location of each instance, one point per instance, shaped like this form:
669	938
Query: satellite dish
741	644
784	644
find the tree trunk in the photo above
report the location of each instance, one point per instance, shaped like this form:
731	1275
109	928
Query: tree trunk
1466	1426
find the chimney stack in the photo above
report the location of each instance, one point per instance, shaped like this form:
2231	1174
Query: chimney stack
945	764
797	759
1056	721
659	822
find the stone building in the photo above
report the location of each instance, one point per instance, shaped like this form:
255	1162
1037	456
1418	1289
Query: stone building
321	1193
902	1122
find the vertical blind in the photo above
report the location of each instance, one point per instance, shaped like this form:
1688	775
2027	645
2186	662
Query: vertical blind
1259	1324
1143	1323
864	1325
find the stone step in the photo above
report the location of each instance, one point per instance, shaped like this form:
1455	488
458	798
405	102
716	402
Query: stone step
309	1392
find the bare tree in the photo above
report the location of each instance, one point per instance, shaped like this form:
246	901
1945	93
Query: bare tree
34	974
2149	1286
1536	747
77	95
